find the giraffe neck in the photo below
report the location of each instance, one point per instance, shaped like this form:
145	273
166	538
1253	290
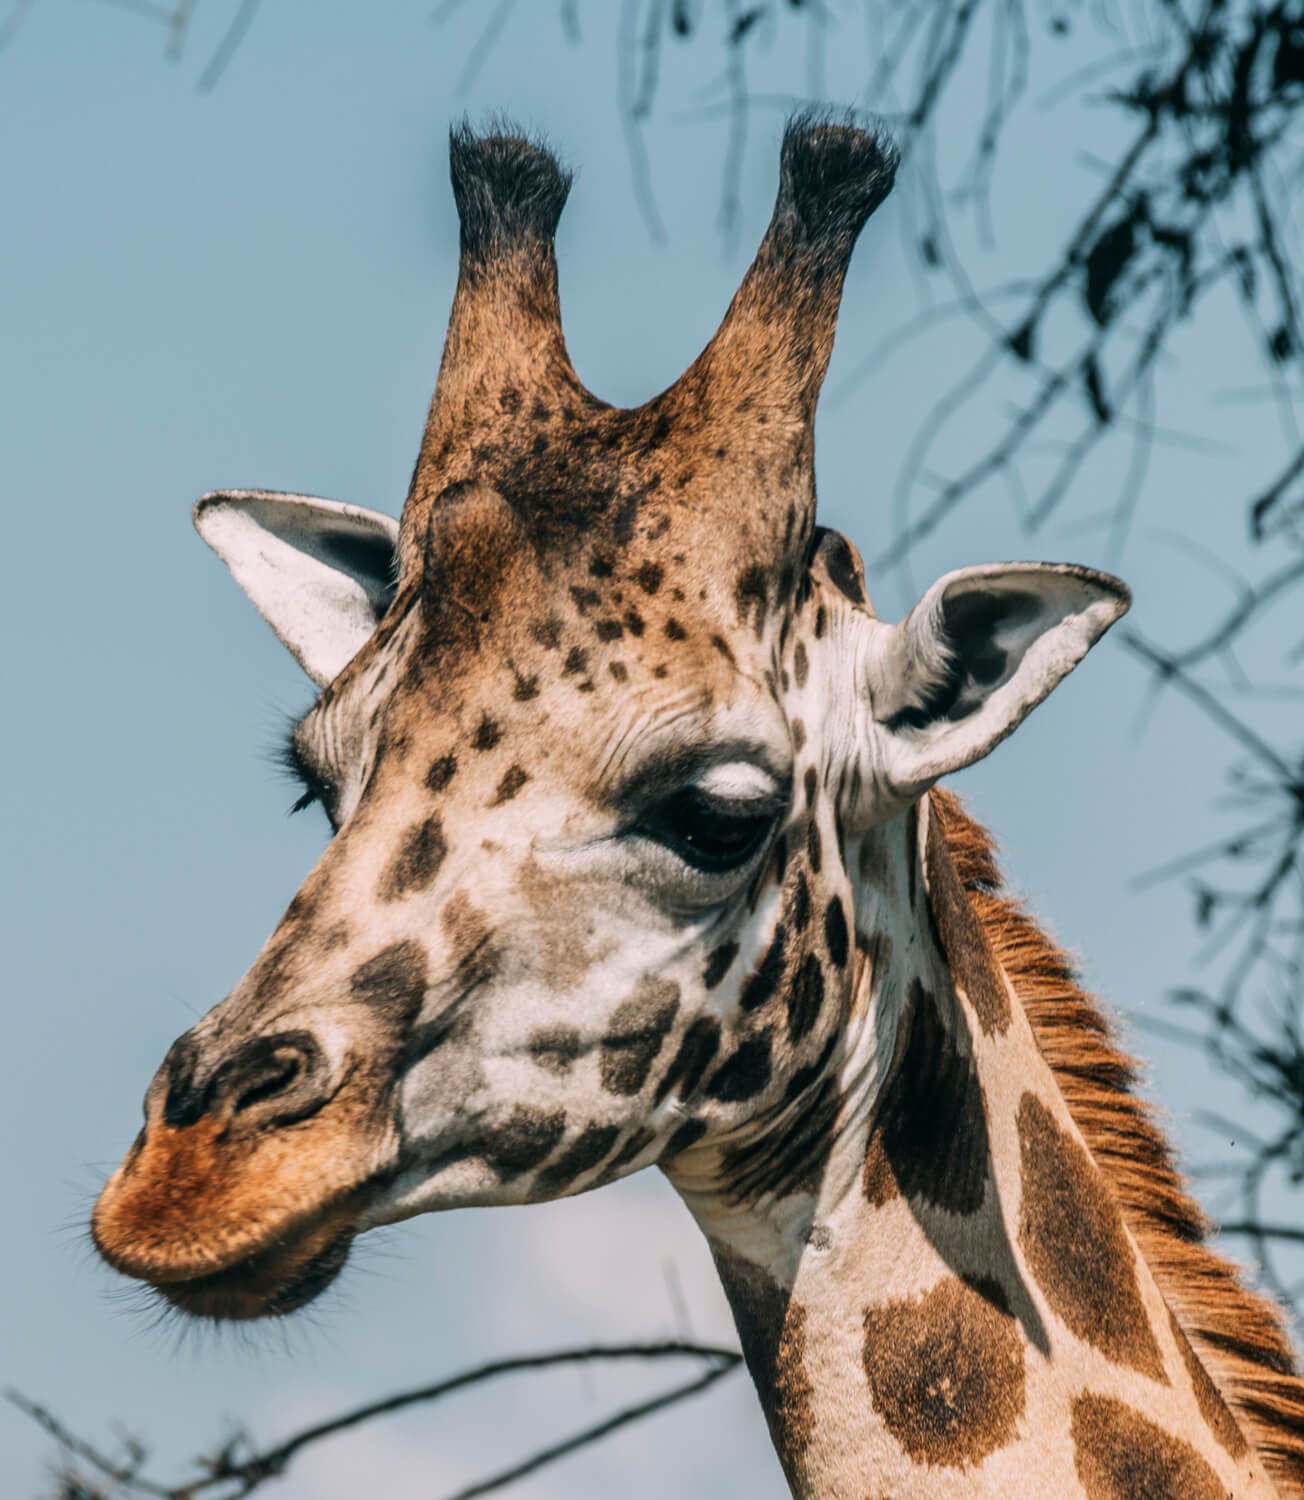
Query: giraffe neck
957	1309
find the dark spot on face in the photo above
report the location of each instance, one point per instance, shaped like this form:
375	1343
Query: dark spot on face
577	660
539	446
699	1045
633	1147
772	1330
805	999
1072	1236
799	906
586	687
555	1047
514	778
637	1034
765	980
810	781
608	630
509	399
1120	1455
688	1134
821	622
840	564
585	599
487	733
420	854
930	1139
751	594
962	939
745	1073
835	933
441	772
660	670
619	671
674	630
722	646
800	664
582	1155
525	688
798	735
523	1141
547	632
1208	1397
649	576
539	411
946	1372
719	964
600	567
814	845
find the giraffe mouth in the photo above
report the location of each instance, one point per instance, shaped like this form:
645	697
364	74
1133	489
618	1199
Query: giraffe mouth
269	1284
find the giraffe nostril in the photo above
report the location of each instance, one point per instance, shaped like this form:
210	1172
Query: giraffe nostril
273	1080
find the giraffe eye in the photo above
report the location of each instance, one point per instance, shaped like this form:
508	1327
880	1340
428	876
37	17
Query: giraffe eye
709	833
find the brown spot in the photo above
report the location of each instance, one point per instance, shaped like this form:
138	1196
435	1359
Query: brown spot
547	632
487	734
772	1330
619	671
930	1139
744	1074
765	979
674	630
962	938
417	862
585	599
660	670
525	689
821	622
582	1155
393	981
514	778
634	621
634	1146
798	735
466	930
441	772
946	1372
805	999
577	660
522	1142
809	782
698	1046
638	1032
719	964
608	630
1208	1397
814	845
1072	1236
723	647
600	567
835	933
1119	1455
555	1047
800	664
649	577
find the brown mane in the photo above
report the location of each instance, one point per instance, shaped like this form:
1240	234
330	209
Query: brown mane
1238	1334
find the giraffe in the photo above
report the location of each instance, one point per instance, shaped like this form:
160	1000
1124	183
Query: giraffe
639	857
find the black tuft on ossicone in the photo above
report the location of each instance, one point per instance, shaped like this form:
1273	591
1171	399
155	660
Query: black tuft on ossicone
509	191
833	174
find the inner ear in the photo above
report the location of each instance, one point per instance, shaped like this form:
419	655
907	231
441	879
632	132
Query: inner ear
973	646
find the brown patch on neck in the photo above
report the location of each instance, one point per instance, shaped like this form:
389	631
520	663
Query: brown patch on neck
929	1141
946	1372
1237	1335
961	937
772	1330
1119	1455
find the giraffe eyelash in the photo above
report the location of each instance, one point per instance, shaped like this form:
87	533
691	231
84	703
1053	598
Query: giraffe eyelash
292	760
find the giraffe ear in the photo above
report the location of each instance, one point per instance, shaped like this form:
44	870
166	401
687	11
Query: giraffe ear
320	573
978	652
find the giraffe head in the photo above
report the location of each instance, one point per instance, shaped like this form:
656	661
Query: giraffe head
597	721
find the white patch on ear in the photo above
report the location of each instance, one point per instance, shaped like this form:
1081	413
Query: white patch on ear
320	573
978	652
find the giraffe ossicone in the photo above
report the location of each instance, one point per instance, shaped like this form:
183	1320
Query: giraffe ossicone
637	860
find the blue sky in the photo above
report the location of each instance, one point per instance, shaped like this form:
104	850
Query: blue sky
249	287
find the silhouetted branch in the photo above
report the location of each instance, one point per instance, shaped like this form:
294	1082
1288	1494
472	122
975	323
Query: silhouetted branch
225	1475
